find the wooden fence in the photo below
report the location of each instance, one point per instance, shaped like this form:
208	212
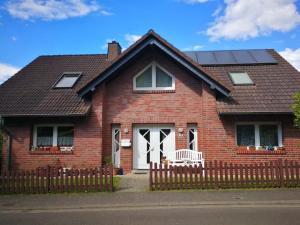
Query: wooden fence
57	180
218	174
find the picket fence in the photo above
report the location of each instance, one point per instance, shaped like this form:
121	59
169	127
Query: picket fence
218	174
56	180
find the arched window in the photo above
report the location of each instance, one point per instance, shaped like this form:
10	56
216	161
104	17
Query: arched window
154	77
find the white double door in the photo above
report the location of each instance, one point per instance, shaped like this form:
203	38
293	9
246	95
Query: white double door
151	143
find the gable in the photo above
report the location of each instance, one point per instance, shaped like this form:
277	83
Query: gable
153	40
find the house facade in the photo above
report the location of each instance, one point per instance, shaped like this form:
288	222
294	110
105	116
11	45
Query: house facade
133	107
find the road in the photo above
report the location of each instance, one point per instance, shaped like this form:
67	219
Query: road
280	207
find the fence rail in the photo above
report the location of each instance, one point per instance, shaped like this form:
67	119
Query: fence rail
56	180
218	174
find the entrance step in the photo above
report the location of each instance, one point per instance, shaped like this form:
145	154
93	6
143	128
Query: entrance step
134	183
140	171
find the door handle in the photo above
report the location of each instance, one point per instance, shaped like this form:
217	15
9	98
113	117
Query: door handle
152	149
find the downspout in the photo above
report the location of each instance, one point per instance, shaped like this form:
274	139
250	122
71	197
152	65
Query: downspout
9	143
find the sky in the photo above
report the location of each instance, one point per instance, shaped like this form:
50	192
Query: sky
29	28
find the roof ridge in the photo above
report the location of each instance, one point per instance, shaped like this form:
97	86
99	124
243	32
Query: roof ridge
244	49
85	54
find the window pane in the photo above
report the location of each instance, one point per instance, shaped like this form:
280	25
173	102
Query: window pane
145	79
245	135
65	136
44	136
240	78
67	81
268	135
162	79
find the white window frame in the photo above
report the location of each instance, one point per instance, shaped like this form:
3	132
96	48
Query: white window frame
55	133
153	65
257	134
192	126
114	128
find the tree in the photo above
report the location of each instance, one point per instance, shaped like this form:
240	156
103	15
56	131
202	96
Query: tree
296	109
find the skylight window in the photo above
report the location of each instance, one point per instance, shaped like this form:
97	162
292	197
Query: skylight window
67	80
240	78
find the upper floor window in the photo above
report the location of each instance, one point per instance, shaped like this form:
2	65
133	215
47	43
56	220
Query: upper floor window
67	80
154	77
240	78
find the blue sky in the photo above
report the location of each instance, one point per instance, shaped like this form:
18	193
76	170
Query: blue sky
29	28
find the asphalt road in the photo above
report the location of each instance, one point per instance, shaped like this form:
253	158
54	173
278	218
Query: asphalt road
223	214
241	207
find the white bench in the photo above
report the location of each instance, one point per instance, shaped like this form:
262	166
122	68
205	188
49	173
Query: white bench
185	157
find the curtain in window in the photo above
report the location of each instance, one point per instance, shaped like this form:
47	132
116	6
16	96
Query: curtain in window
268	135
162	79
245	135
145	79
65	136
44	136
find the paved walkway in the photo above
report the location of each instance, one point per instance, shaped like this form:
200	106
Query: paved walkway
134	183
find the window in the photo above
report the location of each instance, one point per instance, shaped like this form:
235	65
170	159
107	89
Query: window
246	135
44	136
241	78
116	138
259	134
268	135
65	136
192	137
53	135
154	77
67	80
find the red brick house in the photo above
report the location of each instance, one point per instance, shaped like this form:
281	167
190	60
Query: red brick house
133	107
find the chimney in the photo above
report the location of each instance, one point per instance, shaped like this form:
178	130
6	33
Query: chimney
113	50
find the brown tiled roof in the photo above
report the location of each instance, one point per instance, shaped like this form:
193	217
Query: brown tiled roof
275	86
30	92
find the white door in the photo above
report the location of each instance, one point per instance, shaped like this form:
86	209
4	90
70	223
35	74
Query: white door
116	136
151	143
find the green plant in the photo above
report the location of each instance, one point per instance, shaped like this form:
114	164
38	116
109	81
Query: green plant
108	160
296	109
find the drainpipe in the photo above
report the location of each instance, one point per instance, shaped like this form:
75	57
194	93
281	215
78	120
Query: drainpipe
9	143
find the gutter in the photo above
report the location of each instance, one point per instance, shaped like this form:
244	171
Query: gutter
253	113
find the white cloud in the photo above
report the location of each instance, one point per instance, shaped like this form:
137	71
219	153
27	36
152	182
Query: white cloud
52	9
193	48
106	13
292	56
193	1
131	38
6	71
244	19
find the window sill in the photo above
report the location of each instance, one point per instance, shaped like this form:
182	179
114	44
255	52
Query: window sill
245	151
152	91
50	151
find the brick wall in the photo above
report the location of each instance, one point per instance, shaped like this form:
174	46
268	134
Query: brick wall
116	103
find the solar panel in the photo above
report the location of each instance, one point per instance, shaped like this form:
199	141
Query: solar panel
192	55
243	57
224	57
262	56
206	57
232	57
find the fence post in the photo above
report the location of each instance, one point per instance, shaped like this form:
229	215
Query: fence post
111	177
48	182
281	179
150	177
